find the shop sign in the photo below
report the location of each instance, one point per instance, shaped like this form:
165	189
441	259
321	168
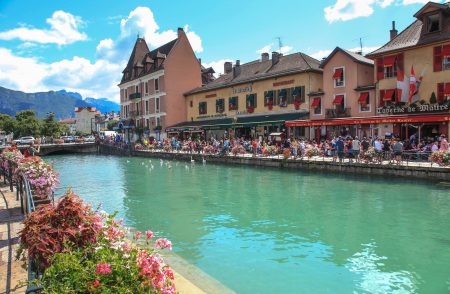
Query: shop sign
211	116
283	83
242	89
413	109
211	95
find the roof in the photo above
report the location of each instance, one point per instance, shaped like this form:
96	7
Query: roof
354	56
88	108
141	55
68	121
259	70
414	34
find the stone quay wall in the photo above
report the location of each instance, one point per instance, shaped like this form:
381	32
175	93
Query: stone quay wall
427	173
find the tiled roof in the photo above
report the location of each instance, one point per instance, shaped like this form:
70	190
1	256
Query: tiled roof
259	70
68	121
355	56
415	35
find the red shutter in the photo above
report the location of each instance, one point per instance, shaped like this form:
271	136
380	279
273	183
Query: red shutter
446	51
440	91
380	69
381	98
400	67
437	58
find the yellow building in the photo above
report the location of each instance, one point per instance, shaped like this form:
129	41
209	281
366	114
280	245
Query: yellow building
413	75
253	99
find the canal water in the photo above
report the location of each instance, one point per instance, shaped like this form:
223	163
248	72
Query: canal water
275	231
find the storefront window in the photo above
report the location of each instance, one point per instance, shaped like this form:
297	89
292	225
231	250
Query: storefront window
233	103
202	108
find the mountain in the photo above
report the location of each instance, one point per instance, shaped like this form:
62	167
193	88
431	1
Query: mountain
103	104
61	103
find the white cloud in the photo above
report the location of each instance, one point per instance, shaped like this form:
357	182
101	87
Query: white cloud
78	74
64	29
217	65
344	10
324	53
269	48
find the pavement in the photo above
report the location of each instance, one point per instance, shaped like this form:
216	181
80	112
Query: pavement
12	273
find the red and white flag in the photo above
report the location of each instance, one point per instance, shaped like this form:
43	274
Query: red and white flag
412	84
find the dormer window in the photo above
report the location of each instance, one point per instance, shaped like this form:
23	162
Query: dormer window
434	23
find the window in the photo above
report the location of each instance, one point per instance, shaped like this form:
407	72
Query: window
157	106
202	108
251	101
137	89
388	97
233	103
191	103
390	67
220	105
298	94
338	77
147	123
316	104
126	94
146	88
364	102
441	58
268	98
443	90
157	85
339	103
446	63
434	23
158	121
283	97
146	106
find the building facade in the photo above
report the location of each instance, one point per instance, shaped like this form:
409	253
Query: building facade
413	75
153	84
85	119
252	99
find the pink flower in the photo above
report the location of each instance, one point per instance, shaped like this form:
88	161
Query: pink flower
149	234
138	234
96	283
103	268
163	243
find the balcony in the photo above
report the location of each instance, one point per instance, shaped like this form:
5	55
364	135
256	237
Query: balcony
135	96
133	113
336	113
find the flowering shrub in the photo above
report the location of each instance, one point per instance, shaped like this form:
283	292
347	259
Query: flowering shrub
42	177
11	154
312	152
50	230
112	264
369	155
442	158
138	146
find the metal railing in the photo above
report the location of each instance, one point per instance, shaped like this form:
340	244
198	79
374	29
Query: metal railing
339	112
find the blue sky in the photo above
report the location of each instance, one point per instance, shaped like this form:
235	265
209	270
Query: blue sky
83	45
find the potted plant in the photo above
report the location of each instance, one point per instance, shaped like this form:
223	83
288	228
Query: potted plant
270	104
250	109
297	104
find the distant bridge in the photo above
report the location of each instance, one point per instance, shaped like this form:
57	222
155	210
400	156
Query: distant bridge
66	148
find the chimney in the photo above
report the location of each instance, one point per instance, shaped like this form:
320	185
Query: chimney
237	69
227	67
393	31
275	57
264	57
200	61
180	31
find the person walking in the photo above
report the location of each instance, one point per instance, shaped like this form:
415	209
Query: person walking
356	147
398	151
340	149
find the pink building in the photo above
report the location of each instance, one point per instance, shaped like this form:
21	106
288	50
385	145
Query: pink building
153	84
348	91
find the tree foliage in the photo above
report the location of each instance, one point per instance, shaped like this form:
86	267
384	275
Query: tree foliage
49	126
27	124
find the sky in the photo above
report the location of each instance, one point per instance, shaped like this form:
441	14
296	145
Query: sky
84	45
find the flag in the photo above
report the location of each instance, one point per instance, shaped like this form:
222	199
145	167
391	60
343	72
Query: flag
412	84
402	87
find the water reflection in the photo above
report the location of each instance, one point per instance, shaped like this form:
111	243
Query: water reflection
268	231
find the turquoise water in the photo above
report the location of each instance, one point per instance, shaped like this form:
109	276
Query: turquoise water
272	231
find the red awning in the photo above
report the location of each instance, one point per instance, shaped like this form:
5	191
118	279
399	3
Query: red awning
316	102
394	119
388	95
446	51
447	89
338	99
389	60
363	98
337	73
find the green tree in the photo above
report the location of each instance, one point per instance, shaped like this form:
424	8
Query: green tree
433	99
49	126
63	129
112	124
27	124
7	124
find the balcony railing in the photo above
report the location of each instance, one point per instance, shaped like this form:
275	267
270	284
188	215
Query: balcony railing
339	112
135	96
134	113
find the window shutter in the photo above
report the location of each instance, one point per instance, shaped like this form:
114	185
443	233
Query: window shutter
437	58
381	103
380	69
440	91
400	67
265	98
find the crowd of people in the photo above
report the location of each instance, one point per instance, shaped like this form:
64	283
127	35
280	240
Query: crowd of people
366	149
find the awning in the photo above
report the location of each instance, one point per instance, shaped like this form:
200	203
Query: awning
363	98
200	125
447	89
316	102
338	100
267	120
276	134
388	95
446	51
389	61
337	73
394	119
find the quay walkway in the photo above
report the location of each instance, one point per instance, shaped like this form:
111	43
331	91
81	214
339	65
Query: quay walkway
12	273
